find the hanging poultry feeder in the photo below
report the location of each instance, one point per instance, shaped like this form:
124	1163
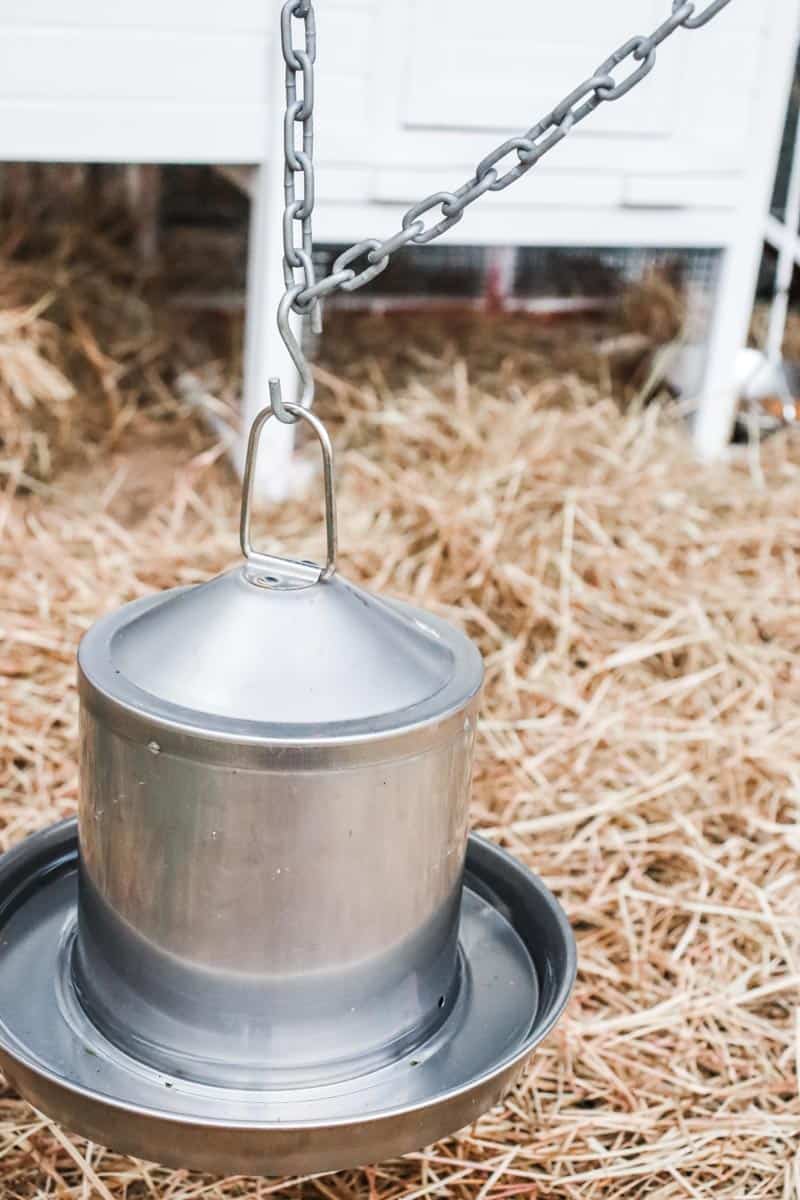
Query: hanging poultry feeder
270	945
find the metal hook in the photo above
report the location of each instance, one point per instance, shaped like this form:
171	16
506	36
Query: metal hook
301	573
283	411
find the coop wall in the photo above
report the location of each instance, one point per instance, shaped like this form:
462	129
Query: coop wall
409	97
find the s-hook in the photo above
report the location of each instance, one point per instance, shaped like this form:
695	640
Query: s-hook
279	409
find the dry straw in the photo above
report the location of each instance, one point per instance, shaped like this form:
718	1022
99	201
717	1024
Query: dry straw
640	618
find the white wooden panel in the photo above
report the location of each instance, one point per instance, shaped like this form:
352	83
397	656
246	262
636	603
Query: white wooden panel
524	225
686	117
172	81
473	67
343	99
231	16
130	64
196	15
131	132
717	98
553	187
681	191
340	185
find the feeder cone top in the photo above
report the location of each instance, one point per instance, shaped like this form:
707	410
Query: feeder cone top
252	658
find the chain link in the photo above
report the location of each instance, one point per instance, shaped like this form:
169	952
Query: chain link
614	78
299	160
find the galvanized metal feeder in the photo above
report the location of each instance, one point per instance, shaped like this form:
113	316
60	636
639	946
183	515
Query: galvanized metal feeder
259	952
270	945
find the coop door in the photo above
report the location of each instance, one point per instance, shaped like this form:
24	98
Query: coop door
452	79
480	66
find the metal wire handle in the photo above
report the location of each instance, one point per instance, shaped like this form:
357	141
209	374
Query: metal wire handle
365	260
272	570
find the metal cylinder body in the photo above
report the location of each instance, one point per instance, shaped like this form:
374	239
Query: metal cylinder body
255	913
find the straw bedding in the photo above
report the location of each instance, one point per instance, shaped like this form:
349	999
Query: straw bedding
640	620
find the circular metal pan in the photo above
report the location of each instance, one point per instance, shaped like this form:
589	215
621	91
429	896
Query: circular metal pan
517	968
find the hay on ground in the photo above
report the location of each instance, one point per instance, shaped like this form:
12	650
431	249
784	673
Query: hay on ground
640	621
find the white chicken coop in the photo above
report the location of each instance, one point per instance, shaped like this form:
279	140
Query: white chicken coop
410	96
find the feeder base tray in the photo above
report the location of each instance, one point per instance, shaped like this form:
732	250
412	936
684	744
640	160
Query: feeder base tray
517	968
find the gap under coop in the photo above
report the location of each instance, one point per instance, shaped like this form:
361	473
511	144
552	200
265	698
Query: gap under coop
203	229
192	223
190	231
668	293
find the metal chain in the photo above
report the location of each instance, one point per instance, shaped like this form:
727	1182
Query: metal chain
365	260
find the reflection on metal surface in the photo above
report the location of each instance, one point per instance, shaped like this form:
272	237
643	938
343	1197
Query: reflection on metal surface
277	888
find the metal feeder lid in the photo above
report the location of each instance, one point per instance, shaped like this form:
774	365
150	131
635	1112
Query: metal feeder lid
280	650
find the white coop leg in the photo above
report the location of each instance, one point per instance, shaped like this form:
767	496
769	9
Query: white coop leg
737	283
499	275
787	252
265	355
719	398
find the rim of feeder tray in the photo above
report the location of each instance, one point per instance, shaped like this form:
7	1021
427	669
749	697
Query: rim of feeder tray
513	933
